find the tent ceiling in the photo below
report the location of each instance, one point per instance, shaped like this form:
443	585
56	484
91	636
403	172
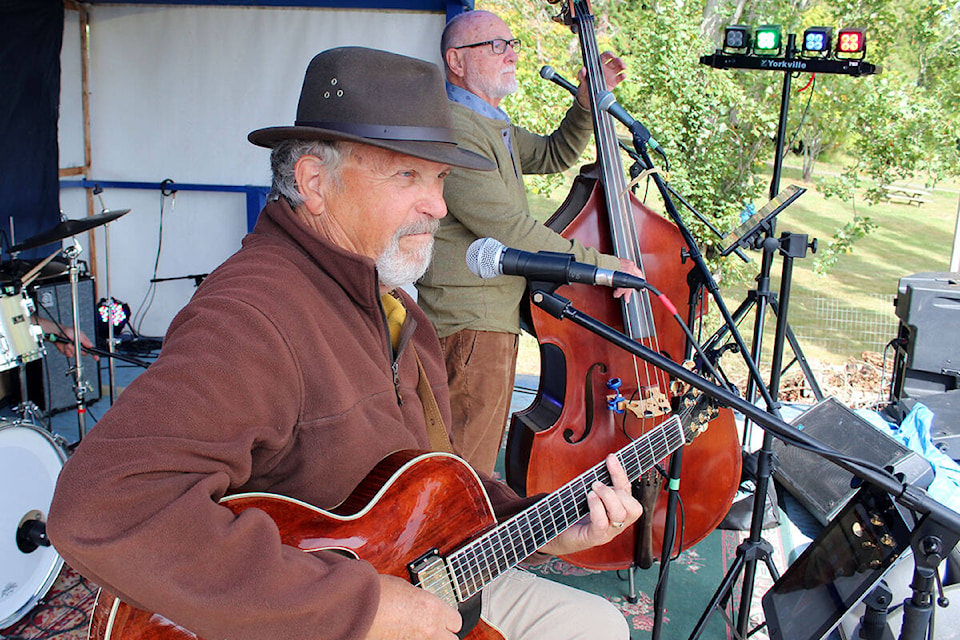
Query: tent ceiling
408	5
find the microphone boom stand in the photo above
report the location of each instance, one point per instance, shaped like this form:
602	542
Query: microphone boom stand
641	136
934	536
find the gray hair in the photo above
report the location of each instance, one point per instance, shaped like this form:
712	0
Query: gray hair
283	161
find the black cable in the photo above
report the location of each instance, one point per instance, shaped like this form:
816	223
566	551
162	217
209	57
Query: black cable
52	337
803	116
151	292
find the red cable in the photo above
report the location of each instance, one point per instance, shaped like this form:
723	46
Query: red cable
809	82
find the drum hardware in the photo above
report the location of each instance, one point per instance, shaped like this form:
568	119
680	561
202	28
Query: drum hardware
32	532
30	462
111	342
63	230
80	386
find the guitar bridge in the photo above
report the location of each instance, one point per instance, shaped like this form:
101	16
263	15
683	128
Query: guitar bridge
430	573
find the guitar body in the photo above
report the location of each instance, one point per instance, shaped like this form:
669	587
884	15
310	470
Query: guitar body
410	504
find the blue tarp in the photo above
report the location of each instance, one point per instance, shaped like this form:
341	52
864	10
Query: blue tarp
914	433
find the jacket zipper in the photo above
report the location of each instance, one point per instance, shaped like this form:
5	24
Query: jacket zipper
395	368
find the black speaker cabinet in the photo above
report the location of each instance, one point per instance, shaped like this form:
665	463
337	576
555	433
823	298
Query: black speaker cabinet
50	381
928	353
823	487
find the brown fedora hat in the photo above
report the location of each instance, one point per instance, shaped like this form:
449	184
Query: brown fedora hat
378	98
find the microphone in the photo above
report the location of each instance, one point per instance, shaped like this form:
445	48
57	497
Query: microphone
489	258
607	102
548	73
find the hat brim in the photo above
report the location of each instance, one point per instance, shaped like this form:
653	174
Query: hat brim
442	152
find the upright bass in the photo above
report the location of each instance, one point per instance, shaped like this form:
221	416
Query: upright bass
594	397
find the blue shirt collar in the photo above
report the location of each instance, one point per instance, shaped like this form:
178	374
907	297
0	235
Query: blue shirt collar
475	103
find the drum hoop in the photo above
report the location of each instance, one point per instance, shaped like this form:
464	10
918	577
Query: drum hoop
53	572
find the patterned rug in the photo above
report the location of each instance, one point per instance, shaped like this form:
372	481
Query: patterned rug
693	579
64	613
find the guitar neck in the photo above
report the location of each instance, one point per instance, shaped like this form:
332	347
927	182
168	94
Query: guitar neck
474	565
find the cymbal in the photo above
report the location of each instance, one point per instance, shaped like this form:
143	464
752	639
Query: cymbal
67	228
14	270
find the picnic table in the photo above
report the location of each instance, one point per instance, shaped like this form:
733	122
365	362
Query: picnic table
906	193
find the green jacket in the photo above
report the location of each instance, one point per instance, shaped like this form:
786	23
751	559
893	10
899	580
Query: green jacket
493	204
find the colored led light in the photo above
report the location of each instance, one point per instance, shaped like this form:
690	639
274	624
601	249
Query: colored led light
768	39
851	41
816	40
736	38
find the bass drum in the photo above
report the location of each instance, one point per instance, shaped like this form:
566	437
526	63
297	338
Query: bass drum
30	461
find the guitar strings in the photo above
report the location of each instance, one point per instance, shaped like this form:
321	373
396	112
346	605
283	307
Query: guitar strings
626	232
474	565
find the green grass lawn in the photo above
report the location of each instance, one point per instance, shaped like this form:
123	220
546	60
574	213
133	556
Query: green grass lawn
859	288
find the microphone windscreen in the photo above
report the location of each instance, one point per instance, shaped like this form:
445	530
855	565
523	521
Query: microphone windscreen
547	72
483	257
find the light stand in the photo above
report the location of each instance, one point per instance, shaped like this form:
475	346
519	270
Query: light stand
788	64
755	548
640	137
762	296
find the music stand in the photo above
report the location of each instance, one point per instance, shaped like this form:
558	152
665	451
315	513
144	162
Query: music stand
744	234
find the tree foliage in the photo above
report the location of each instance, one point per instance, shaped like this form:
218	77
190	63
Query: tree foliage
719	127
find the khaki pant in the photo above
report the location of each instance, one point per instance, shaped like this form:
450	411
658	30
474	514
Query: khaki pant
480	373
523	606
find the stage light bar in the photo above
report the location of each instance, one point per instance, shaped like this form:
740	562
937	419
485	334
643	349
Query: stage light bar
766	47
851	43
817	42
736	39
768	40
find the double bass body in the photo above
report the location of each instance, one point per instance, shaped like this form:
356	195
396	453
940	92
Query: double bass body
569	426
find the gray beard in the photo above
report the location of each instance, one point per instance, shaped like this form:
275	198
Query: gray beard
397	268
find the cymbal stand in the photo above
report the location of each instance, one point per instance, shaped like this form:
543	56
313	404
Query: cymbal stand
111	342
79	384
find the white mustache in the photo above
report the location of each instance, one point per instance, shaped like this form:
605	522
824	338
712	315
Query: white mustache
424	226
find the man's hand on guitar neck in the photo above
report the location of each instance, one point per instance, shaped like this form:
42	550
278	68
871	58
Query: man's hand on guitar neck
612	510
406	611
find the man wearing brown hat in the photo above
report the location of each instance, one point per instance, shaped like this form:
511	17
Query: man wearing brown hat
295	369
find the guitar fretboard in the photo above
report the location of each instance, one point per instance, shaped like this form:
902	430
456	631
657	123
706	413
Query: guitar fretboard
476	564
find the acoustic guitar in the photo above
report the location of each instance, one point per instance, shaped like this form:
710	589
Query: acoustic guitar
424	517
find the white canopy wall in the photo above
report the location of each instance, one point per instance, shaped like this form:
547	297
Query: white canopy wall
174	90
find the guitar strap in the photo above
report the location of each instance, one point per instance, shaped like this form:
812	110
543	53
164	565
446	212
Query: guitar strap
436	430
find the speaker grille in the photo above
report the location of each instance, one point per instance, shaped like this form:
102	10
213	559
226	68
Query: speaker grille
820	485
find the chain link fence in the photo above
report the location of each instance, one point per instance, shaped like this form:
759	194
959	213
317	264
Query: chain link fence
834	327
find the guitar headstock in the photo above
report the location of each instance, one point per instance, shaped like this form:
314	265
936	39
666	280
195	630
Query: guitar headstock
695	409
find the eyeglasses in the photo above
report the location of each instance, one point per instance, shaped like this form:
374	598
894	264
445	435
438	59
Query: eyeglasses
498	45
